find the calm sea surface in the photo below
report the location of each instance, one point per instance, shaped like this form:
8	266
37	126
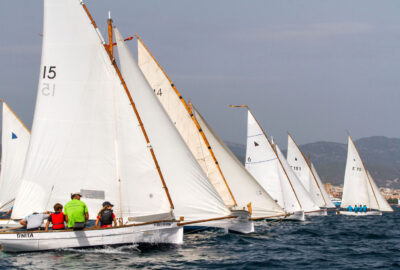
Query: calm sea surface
333	242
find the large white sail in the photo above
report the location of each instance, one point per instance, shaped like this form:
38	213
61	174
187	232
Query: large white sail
357	189
264	165
178	112
194	196
383	204
305	199
81	127
242	183
303	171
14	144
324	192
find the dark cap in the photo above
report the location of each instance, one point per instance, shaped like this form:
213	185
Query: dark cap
107	203
75	193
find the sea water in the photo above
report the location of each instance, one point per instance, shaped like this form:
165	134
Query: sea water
330	242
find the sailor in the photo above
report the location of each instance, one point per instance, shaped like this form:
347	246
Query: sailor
350	208
355	208
57	218
365	208
106	216
34	221
8	212
360	208
76	212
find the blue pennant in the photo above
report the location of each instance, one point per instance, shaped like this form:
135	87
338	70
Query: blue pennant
13	136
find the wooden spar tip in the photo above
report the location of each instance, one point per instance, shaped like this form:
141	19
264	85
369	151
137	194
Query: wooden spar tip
239	106
2	100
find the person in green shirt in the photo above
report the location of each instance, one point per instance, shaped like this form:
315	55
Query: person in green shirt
75	210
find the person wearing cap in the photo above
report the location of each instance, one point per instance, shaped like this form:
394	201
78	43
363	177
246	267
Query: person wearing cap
75	211
106	216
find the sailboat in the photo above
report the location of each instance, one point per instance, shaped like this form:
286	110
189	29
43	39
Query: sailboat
305	174
269	167
196	199
328	199
14	141
237	188
359	188
87	136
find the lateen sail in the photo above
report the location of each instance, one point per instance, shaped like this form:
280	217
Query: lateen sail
263	163
194	196
302	169
83	137
244	186
178	112
382	202
14	144
324	192
357	188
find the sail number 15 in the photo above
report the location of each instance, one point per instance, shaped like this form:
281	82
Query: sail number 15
49	72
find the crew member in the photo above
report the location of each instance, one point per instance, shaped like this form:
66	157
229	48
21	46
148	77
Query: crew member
57	218
76	211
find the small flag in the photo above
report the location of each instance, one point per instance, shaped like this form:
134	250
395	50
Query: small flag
13	136
256	144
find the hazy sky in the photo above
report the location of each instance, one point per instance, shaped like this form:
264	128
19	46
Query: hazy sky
313	68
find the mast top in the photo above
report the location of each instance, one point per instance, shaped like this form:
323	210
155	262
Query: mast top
109	15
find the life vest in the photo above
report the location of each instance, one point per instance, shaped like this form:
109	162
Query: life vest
58	221
106	217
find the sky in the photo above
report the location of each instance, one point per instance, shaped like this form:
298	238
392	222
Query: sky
311	68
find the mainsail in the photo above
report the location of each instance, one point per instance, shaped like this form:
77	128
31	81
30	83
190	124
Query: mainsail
194	196
14	144
359	188
83	137
305	174
179	113
217	161
324	192
265	164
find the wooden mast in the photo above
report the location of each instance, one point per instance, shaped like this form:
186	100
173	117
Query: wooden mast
189	110
110	35
309	167
273	148
113	62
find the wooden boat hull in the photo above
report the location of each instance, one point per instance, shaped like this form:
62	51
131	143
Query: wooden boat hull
369	213
155	233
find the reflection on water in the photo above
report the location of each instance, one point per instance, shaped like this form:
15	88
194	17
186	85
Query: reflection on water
333	242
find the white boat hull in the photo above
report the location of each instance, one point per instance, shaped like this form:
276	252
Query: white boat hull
296	216
369	213
241	223
322	212
157	233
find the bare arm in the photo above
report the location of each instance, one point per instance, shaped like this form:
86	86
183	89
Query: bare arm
97	223
87	216
115	222
47	226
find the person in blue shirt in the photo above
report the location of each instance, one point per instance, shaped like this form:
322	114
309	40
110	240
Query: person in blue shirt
350	208
365	208
360	208
355	208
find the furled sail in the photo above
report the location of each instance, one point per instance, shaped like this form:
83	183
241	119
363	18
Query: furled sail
14	144
357	189
324	192
303	171
194	196
244	186
382	202
263	163
83	137
179	114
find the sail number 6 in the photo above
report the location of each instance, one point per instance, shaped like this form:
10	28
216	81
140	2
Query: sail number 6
49	72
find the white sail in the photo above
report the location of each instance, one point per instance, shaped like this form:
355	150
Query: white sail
178	112
357	189
79	138
303	171
14	144
329	203
305	199
382	202
245	188
263	164
194	196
